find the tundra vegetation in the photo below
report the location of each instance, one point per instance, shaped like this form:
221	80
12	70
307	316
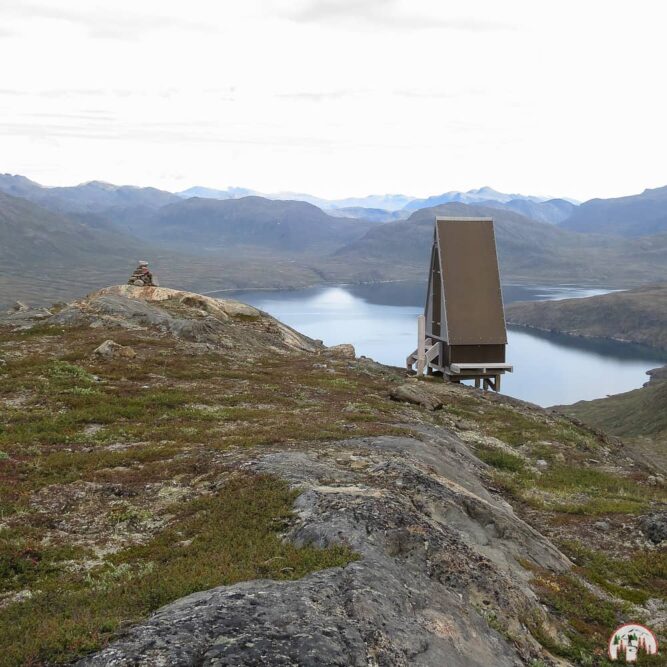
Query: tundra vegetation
638	316
124	482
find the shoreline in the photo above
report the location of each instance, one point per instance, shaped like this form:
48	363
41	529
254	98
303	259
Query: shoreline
322	284
527	283
611	339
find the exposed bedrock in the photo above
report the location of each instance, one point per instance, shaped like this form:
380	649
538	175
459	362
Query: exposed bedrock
194	317
438	581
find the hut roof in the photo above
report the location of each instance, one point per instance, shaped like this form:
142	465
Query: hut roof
473	301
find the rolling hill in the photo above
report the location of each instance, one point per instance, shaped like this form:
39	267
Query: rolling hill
46	256
637	215
163	448
638	315
528	251
33	236
638	416
211	224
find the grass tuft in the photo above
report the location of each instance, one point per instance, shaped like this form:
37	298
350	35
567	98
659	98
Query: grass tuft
500	459
215	540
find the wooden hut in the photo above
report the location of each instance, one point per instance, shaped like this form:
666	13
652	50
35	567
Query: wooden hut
462	334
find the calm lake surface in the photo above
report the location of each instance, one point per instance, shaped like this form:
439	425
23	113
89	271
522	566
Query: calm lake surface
380	321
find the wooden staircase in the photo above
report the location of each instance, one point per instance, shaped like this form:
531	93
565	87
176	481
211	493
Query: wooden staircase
426	352
426	357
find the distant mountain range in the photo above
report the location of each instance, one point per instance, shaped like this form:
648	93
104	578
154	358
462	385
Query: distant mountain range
211	193
552	211
384	208
62	241
372	214
477	196
383	202
46	256
99	197
633	216
94	196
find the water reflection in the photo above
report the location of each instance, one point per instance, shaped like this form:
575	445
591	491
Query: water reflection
379	320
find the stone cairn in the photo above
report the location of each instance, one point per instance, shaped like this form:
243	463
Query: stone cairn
142	277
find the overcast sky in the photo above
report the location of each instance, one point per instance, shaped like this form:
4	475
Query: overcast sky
337	97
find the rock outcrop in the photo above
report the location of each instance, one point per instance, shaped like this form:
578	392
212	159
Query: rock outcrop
344	350
193	317
413	393
22	314
438	557
110	349
654	526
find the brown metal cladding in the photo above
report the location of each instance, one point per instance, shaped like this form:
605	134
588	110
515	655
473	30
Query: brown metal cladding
462	354
471	282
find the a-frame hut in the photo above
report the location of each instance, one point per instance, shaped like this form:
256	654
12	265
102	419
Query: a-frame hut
462	334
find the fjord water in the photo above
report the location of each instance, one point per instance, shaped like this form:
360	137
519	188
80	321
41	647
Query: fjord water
380	321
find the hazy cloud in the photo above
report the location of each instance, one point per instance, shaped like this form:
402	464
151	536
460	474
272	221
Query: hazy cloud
65	93
61	127
317	96
384	13
355	95
91	115
7	92
70	92
100	21
426	94
454	93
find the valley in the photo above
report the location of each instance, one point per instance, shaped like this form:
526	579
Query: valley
333	333
58	243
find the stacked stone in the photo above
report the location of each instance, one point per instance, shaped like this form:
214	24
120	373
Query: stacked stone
142	277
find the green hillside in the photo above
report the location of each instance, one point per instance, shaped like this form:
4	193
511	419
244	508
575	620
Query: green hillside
638	316
638	416
639	412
